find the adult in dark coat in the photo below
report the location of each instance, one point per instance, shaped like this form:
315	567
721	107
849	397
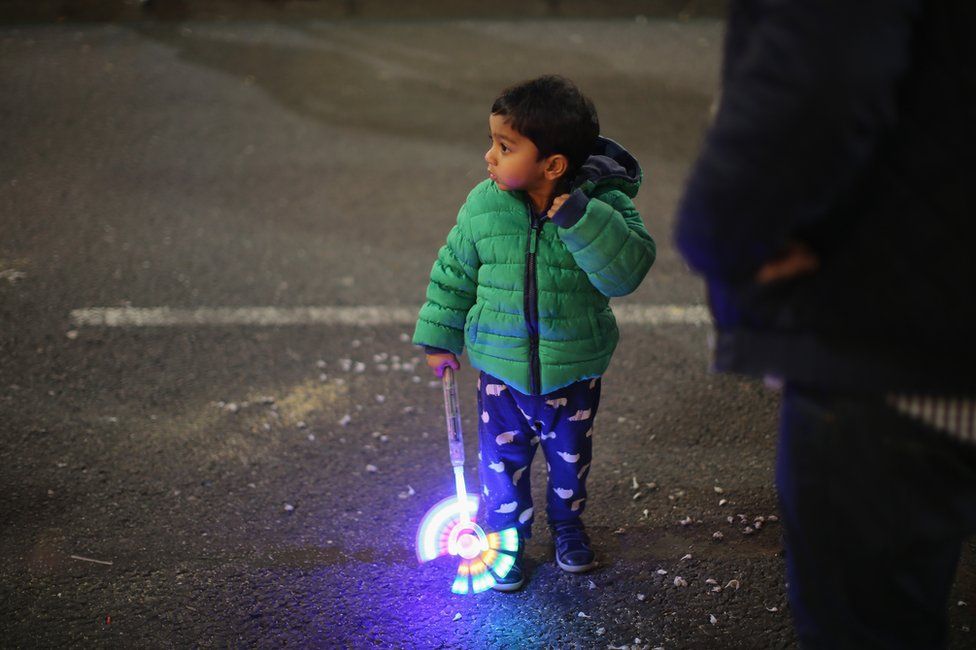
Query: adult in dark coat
832	212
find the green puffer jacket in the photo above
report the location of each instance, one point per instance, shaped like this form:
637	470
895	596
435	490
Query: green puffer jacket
529	296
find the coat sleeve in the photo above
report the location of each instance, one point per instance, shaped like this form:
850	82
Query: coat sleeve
608	240
451	292
809	87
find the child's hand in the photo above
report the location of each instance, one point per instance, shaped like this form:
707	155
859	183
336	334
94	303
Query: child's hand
556	204
437	362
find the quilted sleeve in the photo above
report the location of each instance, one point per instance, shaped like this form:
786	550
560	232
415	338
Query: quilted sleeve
451	292
609	242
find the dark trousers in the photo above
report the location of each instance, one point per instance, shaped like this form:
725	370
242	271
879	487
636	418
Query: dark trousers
511	426
876	507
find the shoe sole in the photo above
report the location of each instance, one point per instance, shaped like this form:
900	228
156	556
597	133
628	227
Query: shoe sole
575	569
513	586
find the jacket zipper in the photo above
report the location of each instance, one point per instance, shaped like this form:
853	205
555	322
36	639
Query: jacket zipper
531	303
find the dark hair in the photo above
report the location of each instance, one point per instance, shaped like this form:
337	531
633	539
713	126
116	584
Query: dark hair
553	113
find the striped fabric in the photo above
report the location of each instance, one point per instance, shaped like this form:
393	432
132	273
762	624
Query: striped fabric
955	416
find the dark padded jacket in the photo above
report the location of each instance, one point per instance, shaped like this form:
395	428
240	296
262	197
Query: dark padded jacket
850	127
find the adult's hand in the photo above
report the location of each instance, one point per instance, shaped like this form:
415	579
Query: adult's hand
798	260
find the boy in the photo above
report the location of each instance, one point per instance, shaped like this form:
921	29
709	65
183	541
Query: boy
524	282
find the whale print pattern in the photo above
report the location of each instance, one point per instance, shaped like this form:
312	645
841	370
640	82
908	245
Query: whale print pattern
518	474
582	414
505	438
494	390
511	427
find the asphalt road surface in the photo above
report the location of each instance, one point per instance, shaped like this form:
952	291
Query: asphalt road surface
173	484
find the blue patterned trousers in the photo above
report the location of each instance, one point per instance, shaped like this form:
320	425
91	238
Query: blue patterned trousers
510	427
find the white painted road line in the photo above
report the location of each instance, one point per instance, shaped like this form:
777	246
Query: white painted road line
258	316
662	315
353	316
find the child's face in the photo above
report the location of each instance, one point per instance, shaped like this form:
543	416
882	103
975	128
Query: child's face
513	160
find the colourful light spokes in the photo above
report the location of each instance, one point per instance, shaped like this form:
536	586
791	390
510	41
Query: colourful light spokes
460	585
477	567
434	531
491	554
489	557
483	582
481	579
503	546
508	540
503	564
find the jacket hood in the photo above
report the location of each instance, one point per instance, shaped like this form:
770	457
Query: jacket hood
609	165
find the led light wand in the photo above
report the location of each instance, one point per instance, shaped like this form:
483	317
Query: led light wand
466	539
455	439
449	527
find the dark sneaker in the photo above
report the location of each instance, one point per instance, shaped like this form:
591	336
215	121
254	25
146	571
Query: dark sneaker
515	577
573	551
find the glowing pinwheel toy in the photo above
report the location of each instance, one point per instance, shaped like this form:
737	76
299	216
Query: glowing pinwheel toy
449	527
